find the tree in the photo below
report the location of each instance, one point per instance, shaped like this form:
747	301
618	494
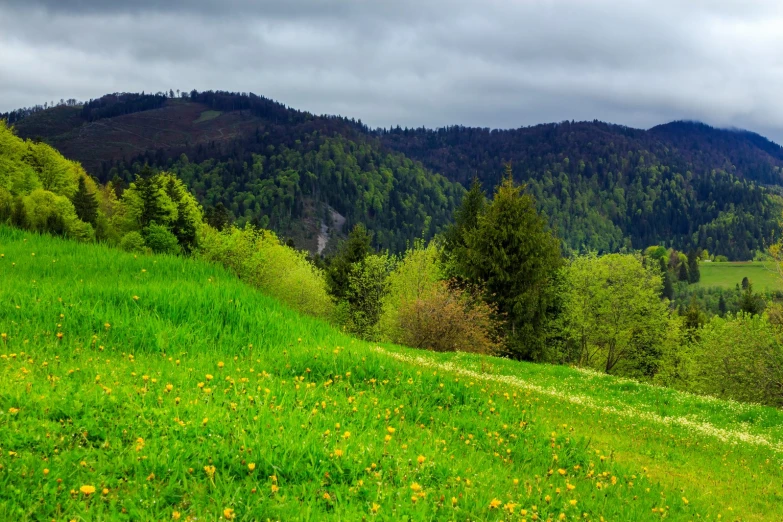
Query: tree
683	272
745	283
722	305
667	290
465	220
613	312
367	287
85	204
513	257
218	217
693	267
351	252
750	303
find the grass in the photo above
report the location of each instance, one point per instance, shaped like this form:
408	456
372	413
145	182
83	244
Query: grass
729	275
207	115
176	391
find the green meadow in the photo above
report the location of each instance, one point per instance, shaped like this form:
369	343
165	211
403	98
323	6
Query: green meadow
163	388
728	275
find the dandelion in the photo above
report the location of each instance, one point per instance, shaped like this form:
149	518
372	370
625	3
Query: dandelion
87	490
685	501
510	507
221	364
347	434
274	488
106	325
136	298
562	471
420	459
204	422
390	429
572	502
209	377
416	487
327	497
13	411
175	515
105	491
375	507
338	453
210	471
228	514
251	466
495	503
46	471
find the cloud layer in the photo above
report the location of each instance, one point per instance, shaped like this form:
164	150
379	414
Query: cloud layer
488	63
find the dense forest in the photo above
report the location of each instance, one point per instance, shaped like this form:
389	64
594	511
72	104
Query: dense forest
601	187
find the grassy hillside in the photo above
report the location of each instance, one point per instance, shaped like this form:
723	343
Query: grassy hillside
729	275
140	388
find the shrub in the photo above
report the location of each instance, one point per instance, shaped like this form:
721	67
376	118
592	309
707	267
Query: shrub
447	320
133	242
161	240
739	357
259	258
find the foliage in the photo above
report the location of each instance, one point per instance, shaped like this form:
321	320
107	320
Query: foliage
259	258
160	239
133	242
421	310
367	287
613	315
739	357
513	258
352	251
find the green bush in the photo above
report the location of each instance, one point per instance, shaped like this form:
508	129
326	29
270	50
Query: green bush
133	242
260	259
161	240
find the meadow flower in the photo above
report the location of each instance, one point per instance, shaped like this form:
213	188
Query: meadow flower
495	503
87	490
274	488
175	515
251	466
420	459
228	514
375	507
416	487
46	471
210	471
13	411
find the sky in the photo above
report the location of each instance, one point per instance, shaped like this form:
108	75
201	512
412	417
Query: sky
486	63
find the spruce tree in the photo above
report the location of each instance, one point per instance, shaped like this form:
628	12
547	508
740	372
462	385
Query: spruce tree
513	256
85	204
693	267
352	251
465	220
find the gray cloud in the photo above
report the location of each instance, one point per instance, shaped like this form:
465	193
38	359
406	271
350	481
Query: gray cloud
488	63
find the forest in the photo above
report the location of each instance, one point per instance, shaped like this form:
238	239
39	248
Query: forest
601	187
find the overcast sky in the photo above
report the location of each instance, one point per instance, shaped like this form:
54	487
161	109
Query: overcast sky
488	63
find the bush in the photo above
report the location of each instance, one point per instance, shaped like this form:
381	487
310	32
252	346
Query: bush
258	257
133	242
448	320
161	240
739	357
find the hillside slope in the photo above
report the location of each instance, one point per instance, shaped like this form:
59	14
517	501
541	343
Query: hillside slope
603	187
165	388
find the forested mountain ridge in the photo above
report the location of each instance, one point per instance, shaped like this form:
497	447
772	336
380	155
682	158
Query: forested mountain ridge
602	186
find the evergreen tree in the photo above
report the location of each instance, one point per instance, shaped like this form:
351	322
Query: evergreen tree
218	216
750	303
513	256
683	272
465	221
85	204
693	267
352	251
722	305
148	186
668	286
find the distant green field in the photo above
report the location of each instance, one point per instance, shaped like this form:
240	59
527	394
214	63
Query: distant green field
728	275
207	115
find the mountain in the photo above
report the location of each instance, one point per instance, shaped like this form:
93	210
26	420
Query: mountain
603	187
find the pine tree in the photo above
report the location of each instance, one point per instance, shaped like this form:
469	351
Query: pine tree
148	185
722	305
465	220
513	256
85	204
683	273
693	267
352	251
668	287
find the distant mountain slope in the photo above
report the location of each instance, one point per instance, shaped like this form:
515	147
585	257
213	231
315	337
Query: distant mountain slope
602	186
